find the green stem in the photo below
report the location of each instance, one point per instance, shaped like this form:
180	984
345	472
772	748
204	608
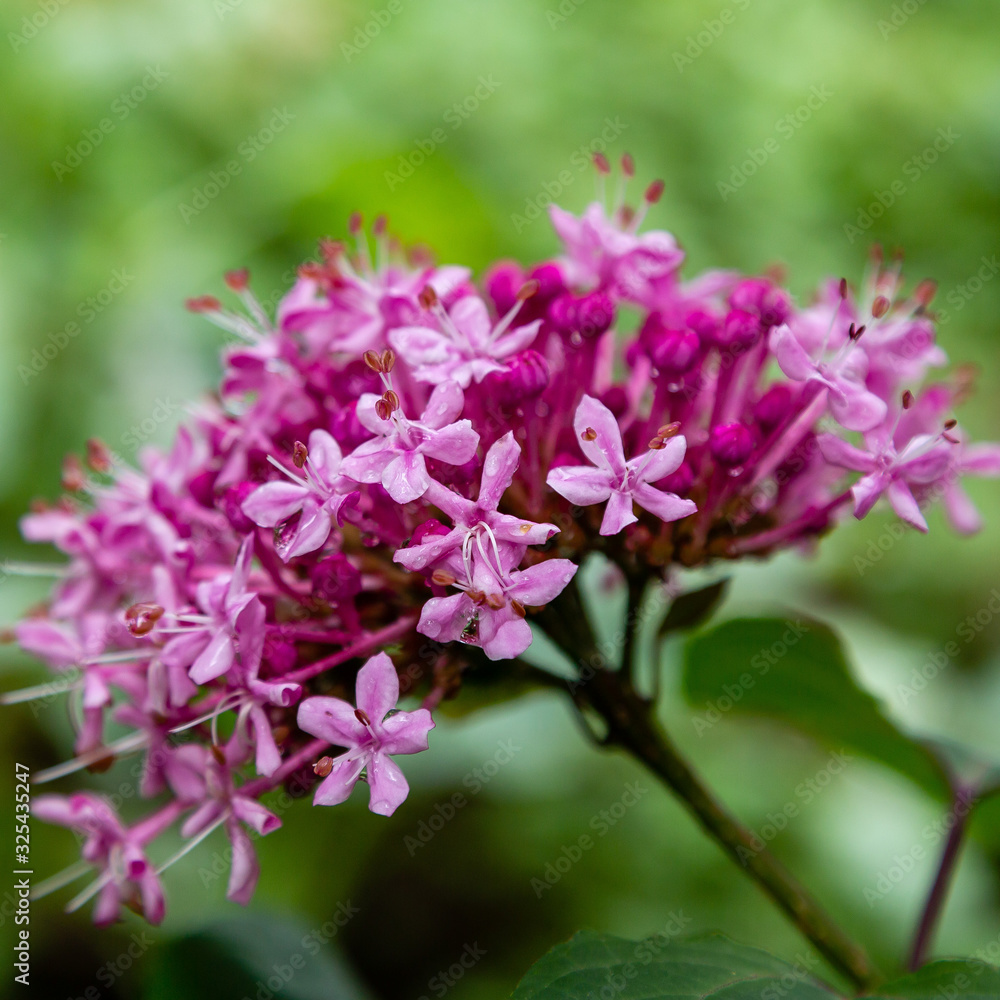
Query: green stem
632	725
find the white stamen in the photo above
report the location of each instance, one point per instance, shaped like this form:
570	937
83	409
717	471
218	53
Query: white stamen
193	843
57	881
126	744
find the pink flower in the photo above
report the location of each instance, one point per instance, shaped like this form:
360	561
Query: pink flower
851	404
318	497
466	348
613	479
605	253
209	647
225	805
395	456
922	460
372	736
490	611
498	471
127	877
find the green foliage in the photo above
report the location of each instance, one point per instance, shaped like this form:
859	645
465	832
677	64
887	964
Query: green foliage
796	671
600	966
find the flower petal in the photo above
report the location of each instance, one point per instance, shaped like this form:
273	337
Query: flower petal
666	506
405	477
406	732
498	470
377	689
331	719
542	582
337	786
582	485
605	448
792	357
444	406
388	785
618	513
274	503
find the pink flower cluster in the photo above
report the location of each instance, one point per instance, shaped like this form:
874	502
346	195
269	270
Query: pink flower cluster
401	466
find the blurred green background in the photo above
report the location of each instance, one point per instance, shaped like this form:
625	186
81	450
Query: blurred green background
306	120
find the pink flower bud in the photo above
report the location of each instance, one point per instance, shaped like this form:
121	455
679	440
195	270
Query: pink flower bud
731	444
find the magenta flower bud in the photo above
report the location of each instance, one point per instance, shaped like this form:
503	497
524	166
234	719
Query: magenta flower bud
758	295
731	444
703	323
739	329
503	282
773	406
615	400
527	376
336	578
672	351
202	487
232	507
562	313
680	481
594	314
550	282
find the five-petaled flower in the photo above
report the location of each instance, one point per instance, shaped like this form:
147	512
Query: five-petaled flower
318	497
613	479
372	737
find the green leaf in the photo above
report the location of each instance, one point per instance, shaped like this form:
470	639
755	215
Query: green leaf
948	980
597	965
693	608
242	956
796	671
709	966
